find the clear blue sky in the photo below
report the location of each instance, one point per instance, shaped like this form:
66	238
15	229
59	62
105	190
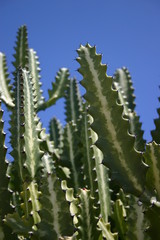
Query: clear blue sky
126	32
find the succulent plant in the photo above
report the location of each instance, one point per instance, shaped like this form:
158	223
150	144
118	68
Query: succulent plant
93	178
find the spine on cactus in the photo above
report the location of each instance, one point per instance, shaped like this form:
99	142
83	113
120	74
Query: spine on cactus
5	88
113	139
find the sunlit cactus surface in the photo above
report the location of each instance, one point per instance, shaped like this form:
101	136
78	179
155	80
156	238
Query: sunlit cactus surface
92	178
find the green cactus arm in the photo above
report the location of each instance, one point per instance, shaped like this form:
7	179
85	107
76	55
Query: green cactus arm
17	129
96	174
48	146
90	163
21	49
5	88
106	230
59	86
129	217
155	133
56	132
26	207
120	218
33	65
135	124
103	185
31	205
113	138
88	159
119	214
104	191
26	146
3	169
32	143
84	213
74	105
86	217
123	79
58	89
151	157
73	102
123	83
71	156
137	222
5	195
26	151
25	221
55	216
135	129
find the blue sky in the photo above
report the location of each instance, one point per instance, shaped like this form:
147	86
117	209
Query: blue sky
126	32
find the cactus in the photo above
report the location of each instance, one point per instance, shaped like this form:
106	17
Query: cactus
93	178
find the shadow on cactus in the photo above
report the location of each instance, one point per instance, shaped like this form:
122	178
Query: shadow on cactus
94	178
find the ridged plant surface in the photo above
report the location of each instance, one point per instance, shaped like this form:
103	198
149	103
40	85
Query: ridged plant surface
93	177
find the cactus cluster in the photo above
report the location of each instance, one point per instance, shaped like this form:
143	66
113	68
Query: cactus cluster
93	178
